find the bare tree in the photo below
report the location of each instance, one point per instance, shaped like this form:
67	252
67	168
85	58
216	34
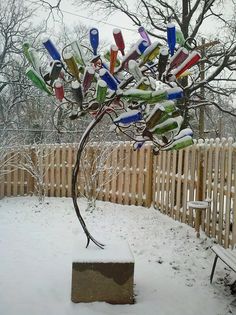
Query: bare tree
16	95
31	159
191	17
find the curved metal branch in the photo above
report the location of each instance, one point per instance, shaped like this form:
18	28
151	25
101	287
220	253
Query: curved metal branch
76	168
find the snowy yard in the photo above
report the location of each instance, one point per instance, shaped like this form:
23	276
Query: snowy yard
38	243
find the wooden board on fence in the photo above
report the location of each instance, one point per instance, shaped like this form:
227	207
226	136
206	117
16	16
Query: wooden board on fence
167	192
69	169
185	185
63	170
127	173
221	193
51	173
204	182
114	191
9	177
120	180
228	195
209	186
106	175
100	179
173	182
157	179
141	166
192	181
46	169
2	184
58	172
179	182
15	174
215	189
148	175
163	177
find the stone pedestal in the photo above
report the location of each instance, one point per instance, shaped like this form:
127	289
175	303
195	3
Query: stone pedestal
104	275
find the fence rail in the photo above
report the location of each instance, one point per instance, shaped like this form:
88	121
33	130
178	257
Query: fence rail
167	181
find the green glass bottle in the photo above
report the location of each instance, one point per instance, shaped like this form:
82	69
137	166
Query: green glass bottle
166	126
78	53
179	37
35	62
157	96
168	106
137	95
180	143
166	115
37	80
101	91
154	116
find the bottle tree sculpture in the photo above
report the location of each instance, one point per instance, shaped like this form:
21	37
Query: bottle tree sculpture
137	88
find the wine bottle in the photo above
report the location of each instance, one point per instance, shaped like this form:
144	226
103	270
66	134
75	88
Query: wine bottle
37	80
88	78
117	34
178	58
183	133
94	39
34	59
53	52
137	95
160	113
135	70
109	79
166	126
77	92
59	90
55	71
78	53
113	58
151	52
192	59
26	47
101	91
128	117
180	143
171	37
179	37
162	62
72	65
144	34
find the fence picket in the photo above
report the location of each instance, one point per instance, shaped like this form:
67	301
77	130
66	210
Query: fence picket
215	188
228	195
209	186
179	182
185	184
221	194
126	192
163	177
173	184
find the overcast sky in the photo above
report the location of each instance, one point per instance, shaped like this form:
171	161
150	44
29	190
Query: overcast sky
73	15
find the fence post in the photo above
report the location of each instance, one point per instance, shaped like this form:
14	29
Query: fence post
200	177
149	174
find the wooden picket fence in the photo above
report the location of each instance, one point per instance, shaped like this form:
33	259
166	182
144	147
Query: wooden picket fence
167	181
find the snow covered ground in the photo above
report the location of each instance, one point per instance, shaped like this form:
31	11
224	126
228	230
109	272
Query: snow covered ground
38	243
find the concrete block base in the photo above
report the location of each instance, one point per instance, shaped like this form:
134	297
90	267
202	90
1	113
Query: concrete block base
108	278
